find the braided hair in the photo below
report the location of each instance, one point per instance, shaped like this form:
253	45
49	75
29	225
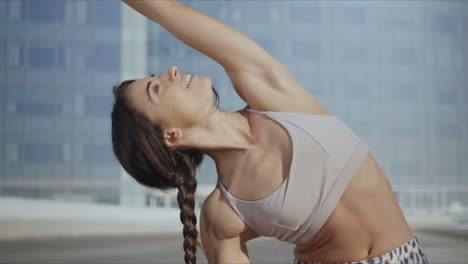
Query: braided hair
138	145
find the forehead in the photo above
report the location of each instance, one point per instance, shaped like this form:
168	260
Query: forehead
137	91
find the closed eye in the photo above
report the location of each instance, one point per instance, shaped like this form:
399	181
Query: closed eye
156	88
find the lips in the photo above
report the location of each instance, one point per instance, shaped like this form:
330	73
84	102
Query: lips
191	78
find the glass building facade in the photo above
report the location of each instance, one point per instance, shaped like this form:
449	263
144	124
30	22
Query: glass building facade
59	60
394	71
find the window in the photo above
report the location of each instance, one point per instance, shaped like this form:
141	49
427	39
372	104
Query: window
308	14
43	11
353	15
63	56
17	29
15	10
443	57
98	153
2	56
356	91
41	31
255	12
3	9
403	56
41	57
82	56
16	53
448	131
40	152
403	92
107	57
444	24
38	109
447	96
96	13
354	54
98	105
306	50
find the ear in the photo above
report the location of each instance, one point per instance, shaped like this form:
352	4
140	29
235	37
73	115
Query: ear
172	137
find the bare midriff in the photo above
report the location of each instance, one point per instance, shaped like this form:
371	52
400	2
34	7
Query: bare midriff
367	221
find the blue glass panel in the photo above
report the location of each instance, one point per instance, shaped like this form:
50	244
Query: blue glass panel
309	14
447	96
15	53
41	57
3	30
16	76
40	152
3	10
23	9
444	24
61	57
14	171
353	15
41	31
449	131
98	153
38	109
403	56
354	54
307	50
98	105
64	31
46	11
83	33
17	29
82	56
107	56
109	34
2	57
167	44
96	13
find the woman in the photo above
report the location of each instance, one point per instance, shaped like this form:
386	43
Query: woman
287	167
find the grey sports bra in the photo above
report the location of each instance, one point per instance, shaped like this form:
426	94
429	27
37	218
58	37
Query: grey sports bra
325	154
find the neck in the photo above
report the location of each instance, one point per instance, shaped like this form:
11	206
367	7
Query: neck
226	137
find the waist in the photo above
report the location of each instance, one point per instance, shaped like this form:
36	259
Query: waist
367	222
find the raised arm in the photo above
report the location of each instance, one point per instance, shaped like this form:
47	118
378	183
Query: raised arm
224	44
259	79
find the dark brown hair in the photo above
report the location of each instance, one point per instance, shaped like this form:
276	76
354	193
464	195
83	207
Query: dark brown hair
139	147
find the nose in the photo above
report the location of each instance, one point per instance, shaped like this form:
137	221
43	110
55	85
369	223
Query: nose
173	72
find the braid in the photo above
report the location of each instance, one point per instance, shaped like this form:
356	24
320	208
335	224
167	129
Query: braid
138	144
187	185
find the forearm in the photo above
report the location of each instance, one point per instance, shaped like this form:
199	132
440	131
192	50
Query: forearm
217	40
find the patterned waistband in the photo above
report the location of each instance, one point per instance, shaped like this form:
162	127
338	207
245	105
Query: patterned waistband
410	253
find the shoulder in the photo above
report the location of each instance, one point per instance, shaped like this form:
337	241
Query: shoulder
218	218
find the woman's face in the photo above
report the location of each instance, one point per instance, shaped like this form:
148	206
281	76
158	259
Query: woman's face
167	100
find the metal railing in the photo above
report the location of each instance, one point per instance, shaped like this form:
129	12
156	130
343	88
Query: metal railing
450	201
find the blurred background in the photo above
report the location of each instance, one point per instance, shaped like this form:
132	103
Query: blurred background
394	71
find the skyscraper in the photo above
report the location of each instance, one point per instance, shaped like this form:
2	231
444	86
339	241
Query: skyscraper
59	60
394	71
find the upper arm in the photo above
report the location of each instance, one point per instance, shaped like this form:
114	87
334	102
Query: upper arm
274	89
259	79
221	233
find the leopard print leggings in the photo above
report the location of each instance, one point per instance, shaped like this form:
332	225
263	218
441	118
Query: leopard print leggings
408	253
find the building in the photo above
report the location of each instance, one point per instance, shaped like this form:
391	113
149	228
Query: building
59	60
394	71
